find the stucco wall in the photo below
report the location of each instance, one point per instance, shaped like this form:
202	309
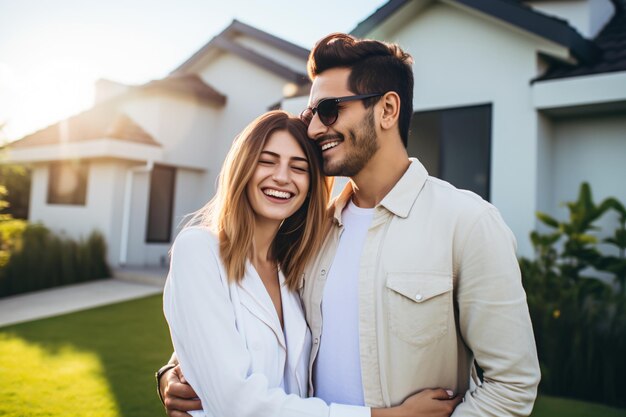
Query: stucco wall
591	149
182	125
102	210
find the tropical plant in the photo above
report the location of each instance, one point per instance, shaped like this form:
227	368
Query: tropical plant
579	318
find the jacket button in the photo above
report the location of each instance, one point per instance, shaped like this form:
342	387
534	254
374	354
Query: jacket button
419	297
316	341
323	274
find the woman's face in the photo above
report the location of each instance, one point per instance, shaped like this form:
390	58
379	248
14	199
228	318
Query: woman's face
280	181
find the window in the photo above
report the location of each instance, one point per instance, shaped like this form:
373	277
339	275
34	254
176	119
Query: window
161	204
67	182
455	145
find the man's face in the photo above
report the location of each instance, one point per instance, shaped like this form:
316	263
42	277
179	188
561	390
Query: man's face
350	142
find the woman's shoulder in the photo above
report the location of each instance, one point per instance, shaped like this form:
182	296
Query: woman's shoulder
196	237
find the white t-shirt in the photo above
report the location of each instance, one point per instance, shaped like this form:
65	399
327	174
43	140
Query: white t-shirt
337	369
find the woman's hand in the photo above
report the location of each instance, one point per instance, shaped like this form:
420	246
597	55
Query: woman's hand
431	403
427	403
178	396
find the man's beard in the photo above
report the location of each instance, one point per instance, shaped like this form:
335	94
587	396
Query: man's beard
360	152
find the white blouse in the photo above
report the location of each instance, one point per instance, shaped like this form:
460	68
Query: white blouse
229	340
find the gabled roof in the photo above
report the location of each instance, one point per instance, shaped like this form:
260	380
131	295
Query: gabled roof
184	84
102	121
512	12
612	43
224	41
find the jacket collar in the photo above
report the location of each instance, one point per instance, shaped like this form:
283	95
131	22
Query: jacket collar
259	303
398	201
292	339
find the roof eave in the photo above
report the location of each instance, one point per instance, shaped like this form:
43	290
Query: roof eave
517	15
539	24
376	18
238	27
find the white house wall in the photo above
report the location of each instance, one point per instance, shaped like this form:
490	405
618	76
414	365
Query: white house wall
591	149
188	199
482	62
587	16
186	130
101	211
182	125
274	54
545	164
137	247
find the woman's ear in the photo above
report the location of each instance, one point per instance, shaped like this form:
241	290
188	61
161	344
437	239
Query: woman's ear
390	111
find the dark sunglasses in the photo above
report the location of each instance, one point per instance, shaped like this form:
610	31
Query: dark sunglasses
328	108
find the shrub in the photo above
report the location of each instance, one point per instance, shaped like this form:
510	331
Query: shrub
10	238
16	179
36	258
578	318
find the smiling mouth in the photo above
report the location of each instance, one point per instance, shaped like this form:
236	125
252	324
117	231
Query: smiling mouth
329	145
284	195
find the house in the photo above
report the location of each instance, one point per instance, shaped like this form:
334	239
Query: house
519	101
144	156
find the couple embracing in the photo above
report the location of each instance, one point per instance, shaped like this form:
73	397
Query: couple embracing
380	303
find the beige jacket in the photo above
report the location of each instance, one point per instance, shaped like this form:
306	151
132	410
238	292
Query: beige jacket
439	287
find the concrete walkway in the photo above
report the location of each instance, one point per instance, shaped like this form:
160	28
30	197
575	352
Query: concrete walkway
128	285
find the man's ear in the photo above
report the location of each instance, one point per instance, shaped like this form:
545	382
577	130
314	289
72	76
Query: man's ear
389	106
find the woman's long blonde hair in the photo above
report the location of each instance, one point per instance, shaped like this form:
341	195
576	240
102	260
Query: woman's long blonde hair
231	217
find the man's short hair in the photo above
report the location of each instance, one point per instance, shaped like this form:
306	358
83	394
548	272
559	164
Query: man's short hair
376	67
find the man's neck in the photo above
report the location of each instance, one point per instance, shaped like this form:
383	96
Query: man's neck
379	176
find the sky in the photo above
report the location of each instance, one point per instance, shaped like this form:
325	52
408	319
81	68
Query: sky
52	51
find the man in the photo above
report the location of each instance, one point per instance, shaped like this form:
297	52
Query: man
417	280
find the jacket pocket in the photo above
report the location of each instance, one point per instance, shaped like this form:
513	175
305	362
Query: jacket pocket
419	305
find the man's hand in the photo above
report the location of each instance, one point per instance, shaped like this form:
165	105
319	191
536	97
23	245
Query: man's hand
178	396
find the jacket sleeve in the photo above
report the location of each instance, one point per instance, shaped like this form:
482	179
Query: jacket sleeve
212	354
494	321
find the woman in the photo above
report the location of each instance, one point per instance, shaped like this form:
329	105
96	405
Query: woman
235	318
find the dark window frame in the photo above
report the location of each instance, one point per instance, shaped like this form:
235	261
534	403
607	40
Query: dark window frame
150	238
441	163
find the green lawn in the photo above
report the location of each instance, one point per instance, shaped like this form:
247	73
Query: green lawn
100	363
557	407
95	363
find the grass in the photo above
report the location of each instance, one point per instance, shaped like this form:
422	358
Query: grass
95	363
101	362
562	407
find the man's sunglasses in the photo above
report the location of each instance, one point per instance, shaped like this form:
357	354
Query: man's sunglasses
328	108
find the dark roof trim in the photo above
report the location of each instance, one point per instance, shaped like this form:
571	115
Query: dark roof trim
611	41
553	29
514	13
268	38
238	27
260	60
379	16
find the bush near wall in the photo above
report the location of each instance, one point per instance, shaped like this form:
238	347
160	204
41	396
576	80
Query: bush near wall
579	319
33	258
